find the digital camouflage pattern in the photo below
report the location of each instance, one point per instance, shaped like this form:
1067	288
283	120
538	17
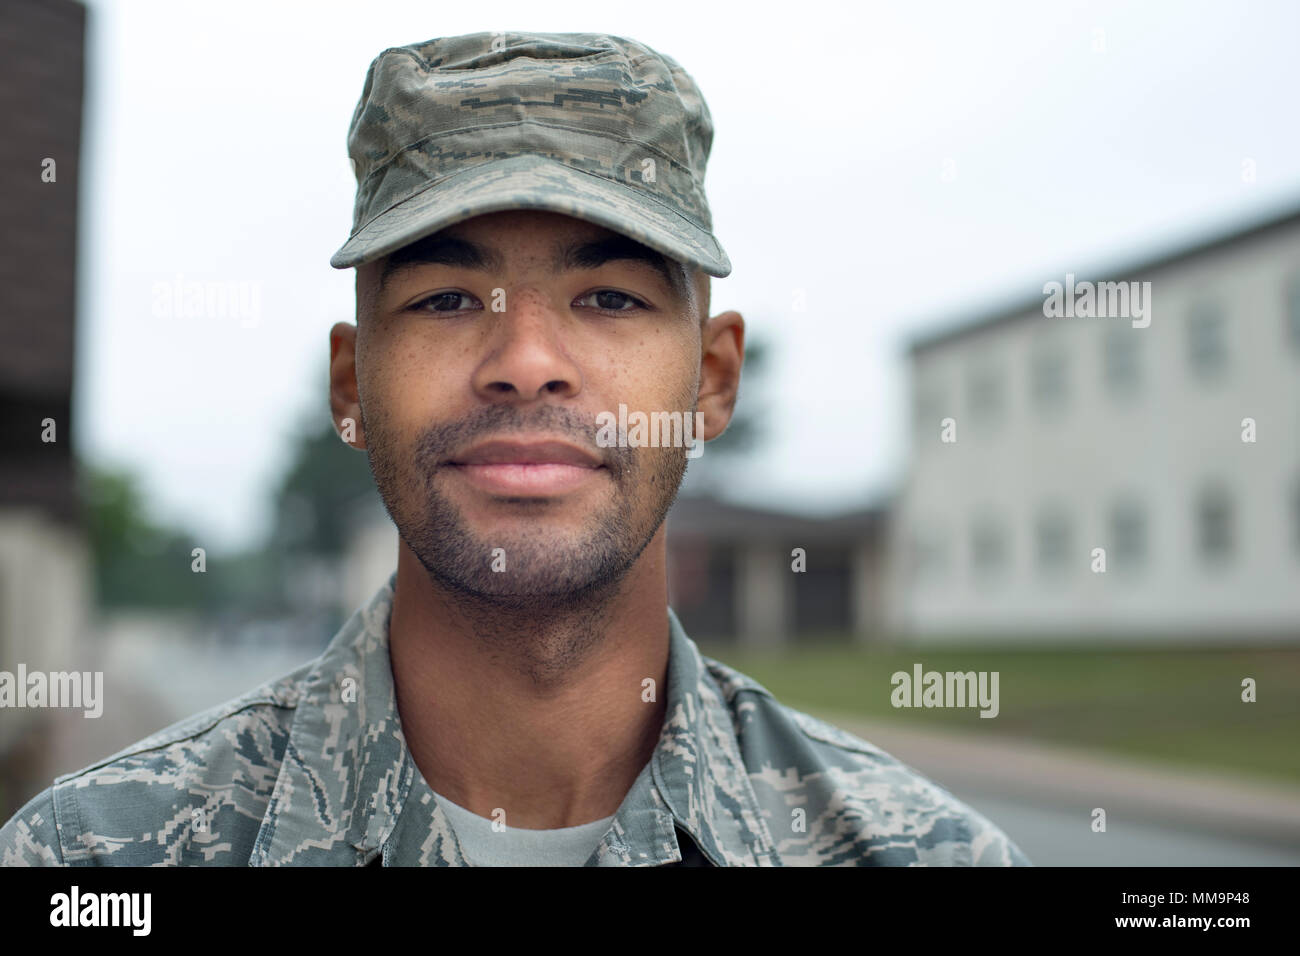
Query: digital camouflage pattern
312	770
597	127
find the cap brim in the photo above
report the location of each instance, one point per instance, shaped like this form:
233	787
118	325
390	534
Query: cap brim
535	182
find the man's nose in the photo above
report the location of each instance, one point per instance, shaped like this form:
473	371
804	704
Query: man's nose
527	357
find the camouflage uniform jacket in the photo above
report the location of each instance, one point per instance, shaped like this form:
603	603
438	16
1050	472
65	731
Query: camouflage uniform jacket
291	774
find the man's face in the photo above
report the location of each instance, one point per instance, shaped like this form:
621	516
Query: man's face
484	355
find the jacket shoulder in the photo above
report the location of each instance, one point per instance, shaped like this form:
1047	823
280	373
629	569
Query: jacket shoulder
30	837
835	799
193	793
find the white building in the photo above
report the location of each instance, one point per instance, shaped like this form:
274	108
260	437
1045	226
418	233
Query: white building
1081	433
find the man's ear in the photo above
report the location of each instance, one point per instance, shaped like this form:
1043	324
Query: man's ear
722	348
345	400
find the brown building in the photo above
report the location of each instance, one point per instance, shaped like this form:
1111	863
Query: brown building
44	561
736	573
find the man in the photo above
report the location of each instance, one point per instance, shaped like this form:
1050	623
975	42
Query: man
533	250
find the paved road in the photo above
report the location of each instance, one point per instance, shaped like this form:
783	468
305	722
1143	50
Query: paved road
1054	837
1155	815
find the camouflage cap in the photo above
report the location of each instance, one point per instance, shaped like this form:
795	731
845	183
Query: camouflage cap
597	127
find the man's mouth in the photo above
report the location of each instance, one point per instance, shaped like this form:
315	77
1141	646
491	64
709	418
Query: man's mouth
526	469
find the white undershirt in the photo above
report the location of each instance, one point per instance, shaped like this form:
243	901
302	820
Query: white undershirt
484	846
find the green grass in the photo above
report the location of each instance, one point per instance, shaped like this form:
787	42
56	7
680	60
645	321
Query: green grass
1180	706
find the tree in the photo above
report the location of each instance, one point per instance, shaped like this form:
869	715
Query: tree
315	500
710	473
138	562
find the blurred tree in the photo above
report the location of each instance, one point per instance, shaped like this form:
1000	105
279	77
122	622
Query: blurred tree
316	505
137	561
744	433
315	500
710	473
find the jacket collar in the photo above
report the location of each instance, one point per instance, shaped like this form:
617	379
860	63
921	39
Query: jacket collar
347	778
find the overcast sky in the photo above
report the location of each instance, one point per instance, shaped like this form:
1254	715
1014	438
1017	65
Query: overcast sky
904	164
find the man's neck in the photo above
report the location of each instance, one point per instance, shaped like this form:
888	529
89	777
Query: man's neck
542	716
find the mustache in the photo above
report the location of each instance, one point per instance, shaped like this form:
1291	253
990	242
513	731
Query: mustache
438	443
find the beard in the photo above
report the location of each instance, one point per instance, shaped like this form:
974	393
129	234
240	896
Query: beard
547	572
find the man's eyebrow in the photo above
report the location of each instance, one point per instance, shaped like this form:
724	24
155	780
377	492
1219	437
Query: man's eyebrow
443	251
451	251
592	255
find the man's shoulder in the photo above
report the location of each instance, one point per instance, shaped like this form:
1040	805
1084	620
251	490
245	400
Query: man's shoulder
192	793
832	798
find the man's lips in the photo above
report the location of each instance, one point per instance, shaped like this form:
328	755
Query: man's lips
501	452
526	469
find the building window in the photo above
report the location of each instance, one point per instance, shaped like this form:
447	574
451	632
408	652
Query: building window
1128	535
984	393
1121	358
1214	524
1295	514
929	554
928	410
1052	532
988	546
1292	307
1047	378
1207	344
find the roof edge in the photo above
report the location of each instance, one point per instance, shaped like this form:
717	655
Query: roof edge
990	318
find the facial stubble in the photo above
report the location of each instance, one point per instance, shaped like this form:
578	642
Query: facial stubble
550	601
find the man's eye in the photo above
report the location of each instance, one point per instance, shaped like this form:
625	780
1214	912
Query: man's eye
612	301
445	302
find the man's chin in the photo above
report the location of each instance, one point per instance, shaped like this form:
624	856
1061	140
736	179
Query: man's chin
524	592
543	568
557	556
